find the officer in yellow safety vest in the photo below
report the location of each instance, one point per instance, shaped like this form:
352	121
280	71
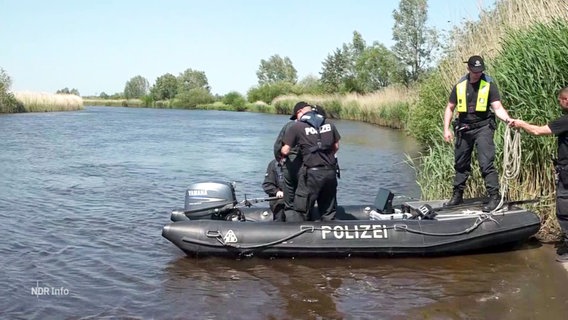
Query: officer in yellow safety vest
478	101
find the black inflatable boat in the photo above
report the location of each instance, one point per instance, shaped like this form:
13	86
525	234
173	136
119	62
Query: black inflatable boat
213	223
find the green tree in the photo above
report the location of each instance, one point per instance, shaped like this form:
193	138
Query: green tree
235	99
276	69
165	87
192	79
67	91
193	97
117	95
5	79
336	74
8	103
309	85
339	72
415	43
357	46
377	67
267	92
103	95
136	88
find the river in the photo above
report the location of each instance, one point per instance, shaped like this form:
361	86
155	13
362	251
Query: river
84	195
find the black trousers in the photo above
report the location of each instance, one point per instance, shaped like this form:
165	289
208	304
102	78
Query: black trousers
277	208
482	139
290	172
316	185
562	206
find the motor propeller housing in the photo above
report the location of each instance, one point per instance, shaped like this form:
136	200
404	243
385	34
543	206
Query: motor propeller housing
209	200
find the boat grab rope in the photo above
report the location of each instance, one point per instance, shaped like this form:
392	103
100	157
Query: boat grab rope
480	219
263	245
511	161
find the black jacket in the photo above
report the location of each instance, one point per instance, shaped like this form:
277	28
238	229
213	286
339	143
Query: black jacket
273	179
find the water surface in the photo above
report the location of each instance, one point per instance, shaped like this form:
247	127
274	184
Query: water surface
84	195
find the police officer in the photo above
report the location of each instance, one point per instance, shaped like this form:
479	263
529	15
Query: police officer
317	180
291	163
273	186
559	128
474	96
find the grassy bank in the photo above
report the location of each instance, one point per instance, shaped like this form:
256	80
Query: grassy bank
524	45
388	107
113	102
258	106
46	102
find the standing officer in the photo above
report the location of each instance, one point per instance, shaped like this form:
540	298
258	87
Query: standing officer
474	96
273	186
559	128
317	180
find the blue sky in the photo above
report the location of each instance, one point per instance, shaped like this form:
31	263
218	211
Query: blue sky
96	46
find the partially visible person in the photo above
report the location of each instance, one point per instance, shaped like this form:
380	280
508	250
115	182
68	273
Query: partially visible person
273	186
317	180
292	162
559	128
477	100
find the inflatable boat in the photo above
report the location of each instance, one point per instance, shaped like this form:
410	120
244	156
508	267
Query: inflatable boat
213	223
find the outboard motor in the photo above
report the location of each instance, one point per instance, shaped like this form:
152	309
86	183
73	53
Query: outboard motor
209	200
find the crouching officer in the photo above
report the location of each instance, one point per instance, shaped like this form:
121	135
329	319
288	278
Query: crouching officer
273	186
317	180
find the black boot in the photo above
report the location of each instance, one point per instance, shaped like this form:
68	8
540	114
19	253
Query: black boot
457	198
493	203
562	251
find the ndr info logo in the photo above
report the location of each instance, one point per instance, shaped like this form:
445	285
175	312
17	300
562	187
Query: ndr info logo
49	291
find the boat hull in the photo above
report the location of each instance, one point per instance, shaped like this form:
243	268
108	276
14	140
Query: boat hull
450	233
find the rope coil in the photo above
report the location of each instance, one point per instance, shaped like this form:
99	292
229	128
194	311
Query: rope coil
511	161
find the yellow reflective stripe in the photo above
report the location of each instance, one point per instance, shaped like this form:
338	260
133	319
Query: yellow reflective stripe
482	96
461	89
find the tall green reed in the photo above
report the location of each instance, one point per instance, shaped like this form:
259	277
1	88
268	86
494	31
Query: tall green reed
531	68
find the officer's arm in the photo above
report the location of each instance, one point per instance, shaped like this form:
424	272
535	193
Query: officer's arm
500	111
336	147
531	128
448	115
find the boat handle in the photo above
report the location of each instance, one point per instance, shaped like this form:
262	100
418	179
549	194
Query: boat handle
213	234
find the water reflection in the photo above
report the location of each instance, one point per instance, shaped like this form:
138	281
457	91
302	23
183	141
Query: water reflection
485	286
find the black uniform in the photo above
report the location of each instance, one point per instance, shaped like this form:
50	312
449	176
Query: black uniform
559	127
291	166
317	180
274	182
476	129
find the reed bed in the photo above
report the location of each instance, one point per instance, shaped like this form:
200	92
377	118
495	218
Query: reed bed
44	102
387	107
484	36
524	44
114	102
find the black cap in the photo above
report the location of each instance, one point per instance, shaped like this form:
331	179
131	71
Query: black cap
299	106
475	64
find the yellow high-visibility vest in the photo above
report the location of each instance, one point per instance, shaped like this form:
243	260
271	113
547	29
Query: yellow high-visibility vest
482	95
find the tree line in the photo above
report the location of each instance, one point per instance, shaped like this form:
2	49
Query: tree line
353	67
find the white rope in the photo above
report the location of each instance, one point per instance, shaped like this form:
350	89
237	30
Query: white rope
511	161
